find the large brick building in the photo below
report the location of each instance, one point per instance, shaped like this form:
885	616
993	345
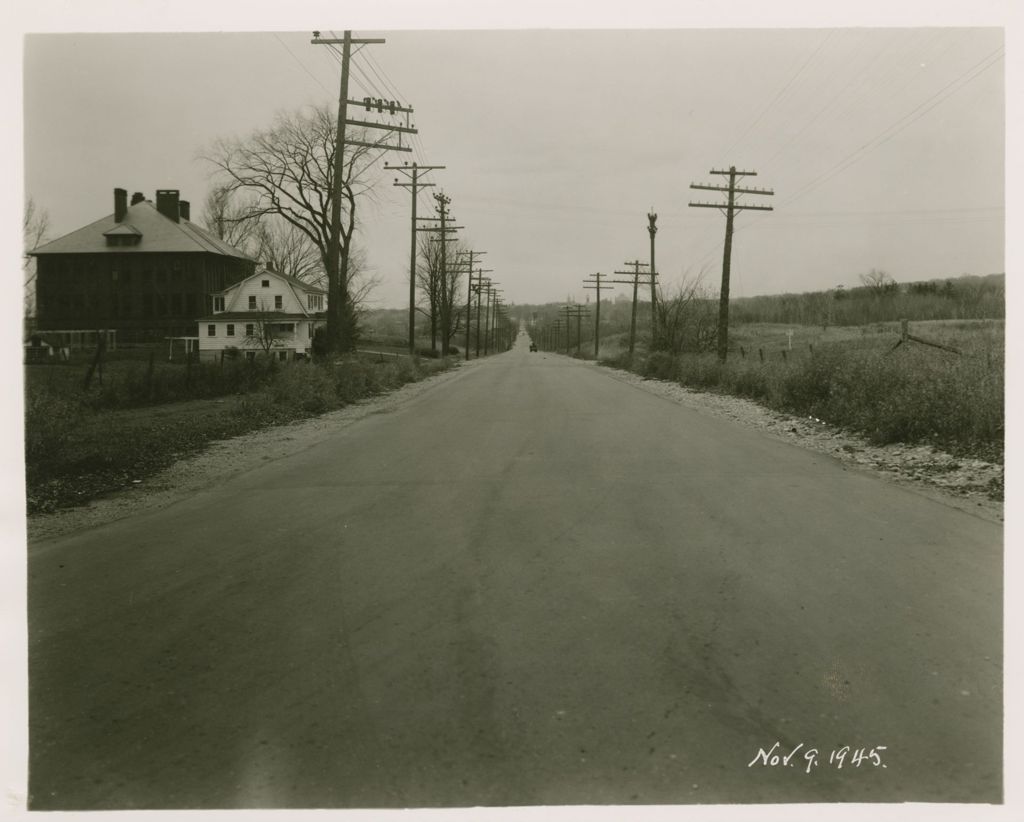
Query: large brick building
145	271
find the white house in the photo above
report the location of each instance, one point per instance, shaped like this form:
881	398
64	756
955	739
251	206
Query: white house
266	313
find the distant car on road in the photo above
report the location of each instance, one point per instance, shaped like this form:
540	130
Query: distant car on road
533	346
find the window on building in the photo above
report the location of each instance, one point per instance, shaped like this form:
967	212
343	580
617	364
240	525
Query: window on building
218	303
211	330
309	330
231	329
250	355
250	330
315	302
265	283
278	302
252	302
282	355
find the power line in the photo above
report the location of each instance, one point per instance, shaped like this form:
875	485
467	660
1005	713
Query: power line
778	95
301	64
899	125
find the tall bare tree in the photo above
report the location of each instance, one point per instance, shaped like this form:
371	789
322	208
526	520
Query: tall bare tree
227	218
442	288
35	231
428	276
281	246
288	170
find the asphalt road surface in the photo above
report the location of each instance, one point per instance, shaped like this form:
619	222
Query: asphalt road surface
532	584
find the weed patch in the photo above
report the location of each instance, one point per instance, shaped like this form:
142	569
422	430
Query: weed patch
79	445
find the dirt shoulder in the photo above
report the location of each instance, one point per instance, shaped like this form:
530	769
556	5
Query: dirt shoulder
971	485
223	459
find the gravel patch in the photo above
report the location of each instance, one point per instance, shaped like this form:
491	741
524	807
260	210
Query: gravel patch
972	485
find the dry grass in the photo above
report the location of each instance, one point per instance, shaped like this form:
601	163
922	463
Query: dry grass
855	378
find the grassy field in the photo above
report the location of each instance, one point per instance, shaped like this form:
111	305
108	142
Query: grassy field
857	378
80	444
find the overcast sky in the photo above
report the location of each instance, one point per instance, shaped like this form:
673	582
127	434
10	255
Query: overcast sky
884	146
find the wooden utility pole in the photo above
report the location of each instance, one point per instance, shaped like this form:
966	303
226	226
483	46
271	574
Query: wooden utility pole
444	228
652	229
731	207
577	311
469	297
481	283
414	185
557	335
339	325
636	287
597	284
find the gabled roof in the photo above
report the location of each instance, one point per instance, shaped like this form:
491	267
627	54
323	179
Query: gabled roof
307	287
159	234
295	282
123	229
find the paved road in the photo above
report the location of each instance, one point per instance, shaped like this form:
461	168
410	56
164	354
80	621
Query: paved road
532	584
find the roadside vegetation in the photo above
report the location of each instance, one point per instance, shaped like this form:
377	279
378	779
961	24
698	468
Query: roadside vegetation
837	356
81	443
911	394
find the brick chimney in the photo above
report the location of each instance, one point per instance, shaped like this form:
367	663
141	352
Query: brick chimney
184	209
138	197
120	204
167	202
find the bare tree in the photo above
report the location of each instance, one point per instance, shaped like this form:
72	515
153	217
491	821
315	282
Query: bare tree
288	170
442	286
265	329
428	276
688	320
35	232
228	218
281	246
879	282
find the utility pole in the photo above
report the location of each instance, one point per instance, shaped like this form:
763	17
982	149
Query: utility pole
596	285
636	287
440	291
487	316
469	296
652	229
414	185
339	325
481	283
492	311
730	209
577	311
557	336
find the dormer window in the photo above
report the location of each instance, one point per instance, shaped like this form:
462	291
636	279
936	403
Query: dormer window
122	235
218	303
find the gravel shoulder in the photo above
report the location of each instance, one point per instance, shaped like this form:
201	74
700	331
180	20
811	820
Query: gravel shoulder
962	483
967	484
